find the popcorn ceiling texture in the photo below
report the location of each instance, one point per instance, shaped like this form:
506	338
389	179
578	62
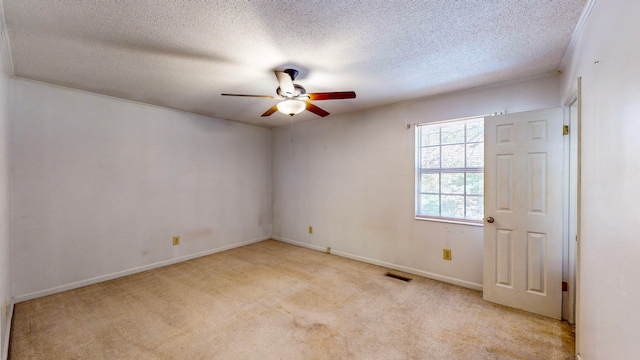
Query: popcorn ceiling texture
183	54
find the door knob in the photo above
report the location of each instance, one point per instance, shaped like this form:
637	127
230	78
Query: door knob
490	220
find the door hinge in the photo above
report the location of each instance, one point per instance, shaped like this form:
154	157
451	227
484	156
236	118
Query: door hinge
565	286
565	130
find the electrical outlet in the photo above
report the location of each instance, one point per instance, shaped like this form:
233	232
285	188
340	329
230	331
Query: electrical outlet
328	250
176	240
446	254
310	229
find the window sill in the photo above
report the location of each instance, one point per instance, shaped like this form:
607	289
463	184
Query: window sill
452	221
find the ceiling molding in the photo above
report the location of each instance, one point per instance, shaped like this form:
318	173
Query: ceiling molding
577	32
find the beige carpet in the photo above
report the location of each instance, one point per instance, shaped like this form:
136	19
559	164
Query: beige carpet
272	300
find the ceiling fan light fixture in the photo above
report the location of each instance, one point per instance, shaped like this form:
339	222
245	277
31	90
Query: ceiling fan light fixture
294	98
291	107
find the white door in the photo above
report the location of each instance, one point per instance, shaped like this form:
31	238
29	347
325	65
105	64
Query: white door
523	211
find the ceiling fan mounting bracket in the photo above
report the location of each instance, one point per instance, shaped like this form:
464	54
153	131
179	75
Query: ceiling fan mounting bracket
292	72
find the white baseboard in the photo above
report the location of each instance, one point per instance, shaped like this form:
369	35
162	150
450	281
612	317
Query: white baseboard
5	344
95	280
447	279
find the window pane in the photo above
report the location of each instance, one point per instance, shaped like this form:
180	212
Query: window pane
475	131
475	207
450	170
453	134
430	205
431	157
475	183
452	183
430	183
475	155
453	206
453	156
430	135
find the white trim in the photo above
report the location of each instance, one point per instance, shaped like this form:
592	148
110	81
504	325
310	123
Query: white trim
570	98
566	186
465	120
118	274
7	61
456	221
578	281
6	48
576	34
7	332
447	279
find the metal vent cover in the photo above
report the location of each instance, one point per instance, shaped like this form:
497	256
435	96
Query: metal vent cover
399	277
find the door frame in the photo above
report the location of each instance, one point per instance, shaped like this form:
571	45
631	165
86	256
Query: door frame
573	185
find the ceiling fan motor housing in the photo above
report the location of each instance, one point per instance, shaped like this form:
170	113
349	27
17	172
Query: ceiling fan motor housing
299	90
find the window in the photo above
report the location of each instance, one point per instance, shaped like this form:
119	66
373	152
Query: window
450	171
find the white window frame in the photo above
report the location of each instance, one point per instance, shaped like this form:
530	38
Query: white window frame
419	171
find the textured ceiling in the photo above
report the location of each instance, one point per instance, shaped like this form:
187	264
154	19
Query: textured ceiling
184	54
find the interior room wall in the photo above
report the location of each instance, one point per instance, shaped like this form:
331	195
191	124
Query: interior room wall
101	185
607	59
351	178
5	240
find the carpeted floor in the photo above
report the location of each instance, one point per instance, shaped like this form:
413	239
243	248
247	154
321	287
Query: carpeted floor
273	300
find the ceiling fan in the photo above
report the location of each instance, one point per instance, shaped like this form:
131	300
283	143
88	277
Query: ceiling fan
294	98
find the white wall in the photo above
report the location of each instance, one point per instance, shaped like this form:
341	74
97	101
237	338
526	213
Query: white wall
5	241
607	57
100	186
351	177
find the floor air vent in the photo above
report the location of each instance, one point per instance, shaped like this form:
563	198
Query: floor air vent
399	277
